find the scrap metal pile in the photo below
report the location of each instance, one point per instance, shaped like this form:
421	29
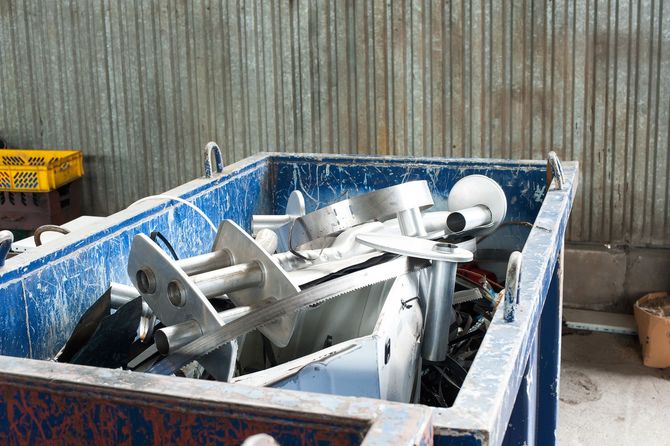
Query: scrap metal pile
371	296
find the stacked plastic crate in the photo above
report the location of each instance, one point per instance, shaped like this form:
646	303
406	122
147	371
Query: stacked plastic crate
39	187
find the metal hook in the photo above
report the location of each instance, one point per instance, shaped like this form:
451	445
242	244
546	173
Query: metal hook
554	165
512	286
6	240
209	148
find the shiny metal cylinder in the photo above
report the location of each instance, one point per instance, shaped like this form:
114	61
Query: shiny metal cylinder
169	339
221	281
467	219
205	262
411	223
122	294
439	302
259	222
268	240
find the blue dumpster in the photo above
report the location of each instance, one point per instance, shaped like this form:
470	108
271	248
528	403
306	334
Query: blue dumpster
510	395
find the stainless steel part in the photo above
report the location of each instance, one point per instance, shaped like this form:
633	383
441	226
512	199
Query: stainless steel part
512	286
276	283
219	282
478	190
256	318
173	337
122	294
281	224
439	299
205	262
343	247
414	247
380	205
439	303
468	219
267	239
174	298
411	223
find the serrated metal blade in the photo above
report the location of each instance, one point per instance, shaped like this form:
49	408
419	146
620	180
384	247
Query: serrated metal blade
269	312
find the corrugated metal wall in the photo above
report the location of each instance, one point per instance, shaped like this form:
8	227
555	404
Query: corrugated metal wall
140	87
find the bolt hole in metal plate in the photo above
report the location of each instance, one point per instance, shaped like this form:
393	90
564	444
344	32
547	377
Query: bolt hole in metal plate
176	299
176	294
146	281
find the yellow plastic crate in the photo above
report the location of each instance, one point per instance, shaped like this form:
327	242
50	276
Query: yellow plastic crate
26	170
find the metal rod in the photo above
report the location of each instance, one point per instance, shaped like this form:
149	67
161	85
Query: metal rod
205	262
122	294
467	219
221	281
259	222
411	223
267	239
171	338
438	307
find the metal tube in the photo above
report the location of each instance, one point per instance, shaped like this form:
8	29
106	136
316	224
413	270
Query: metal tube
221	259
122	294
221	281
205	262
268	240
435	221
169	339
467	219
259	222
411	223
438	308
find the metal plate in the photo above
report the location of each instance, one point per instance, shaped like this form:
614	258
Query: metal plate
147	256
275	286
295	208
380	205
414	247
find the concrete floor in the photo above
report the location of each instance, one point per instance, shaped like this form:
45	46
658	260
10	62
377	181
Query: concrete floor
607	396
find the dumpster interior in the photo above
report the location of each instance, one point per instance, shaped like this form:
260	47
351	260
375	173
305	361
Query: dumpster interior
384	291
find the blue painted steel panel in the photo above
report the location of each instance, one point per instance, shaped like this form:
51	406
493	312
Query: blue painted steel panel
60	280
15	339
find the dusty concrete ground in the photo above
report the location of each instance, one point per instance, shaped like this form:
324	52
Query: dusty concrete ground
608	397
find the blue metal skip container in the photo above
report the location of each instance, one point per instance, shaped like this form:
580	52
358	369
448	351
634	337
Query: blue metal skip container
510	395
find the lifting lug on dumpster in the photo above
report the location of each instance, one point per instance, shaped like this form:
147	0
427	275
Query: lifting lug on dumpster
6	240
554	170
512	286
218	158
